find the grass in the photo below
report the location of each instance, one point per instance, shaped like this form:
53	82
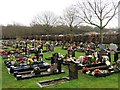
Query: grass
84	81
0	73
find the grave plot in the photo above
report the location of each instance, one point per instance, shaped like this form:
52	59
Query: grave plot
73	74
32	66
52	82
102	70
96	63
36	70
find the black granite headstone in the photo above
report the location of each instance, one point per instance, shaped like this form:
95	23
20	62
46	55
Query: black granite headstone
109	55
116	56
25	48
59	62
16	46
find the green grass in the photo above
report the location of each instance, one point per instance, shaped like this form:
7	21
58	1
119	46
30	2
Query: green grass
0	73
84	81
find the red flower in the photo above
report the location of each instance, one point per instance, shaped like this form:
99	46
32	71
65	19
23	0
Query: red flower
85	58
20	59
34	57
85	69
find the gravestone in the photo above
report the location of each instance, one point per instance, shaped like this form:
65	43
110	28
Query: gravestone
52	47
16	45
20	44
116	56
92	46
59	62
102	53
40	49
39	54
73	70
33	43
28	51
113	47
71	53
37	70
47	47
63	45
118	64
102	46
55	57
25	48
109	55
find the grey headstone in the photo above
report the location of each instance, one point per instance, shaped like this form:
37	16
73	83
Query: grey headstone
73	70
102	46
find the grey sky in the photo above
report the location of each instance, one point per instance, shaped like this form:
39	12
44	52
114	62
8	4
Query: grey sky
22	11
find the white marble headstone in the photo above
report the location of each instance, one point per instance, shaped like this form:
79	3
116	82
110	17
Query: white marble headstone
113	47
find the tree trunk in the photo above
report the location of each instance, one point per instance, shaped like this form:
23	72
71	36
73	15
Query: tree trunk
71	37
72	34
101	36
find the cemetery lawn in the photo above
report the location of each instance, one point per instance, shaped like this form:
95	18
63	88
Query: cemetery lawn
84	81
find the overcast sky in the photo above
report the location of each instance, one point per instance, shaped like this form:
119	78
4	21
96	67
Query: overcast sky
22	11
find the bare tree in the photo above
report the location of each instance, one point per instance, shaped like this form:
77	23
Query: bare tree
70	19
47	19
98	13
